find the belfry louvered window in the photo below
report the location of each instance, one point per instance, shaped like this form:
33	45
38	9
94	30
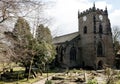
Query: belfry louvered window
85	30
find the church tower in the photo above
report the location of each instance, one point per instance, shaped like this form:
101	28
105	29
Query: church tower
91	46
96	38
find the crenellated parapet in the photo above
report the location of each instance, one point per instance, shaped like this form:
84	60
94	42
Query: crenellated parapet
93	9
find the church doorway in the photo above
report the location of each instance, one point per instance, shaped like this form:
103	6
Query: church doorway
100	64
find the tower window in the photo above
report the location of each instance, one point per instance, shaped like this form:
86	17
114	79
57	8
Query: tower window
99	49
100	29
85	30
73	53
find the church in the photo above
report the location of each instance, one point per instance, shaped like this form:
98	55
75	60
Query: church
91	46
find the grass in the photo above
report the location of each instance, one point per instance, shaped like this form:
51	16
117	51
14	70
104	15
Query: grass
24	81
19	70
78	71
117	82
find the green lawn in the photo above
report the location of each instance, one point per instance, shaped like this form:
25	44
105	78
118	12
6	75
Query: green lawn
16	70
117	82
24	81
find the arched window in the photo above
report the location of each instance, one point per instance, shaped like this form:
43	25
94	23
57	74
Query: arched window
61	53
73	53
99	49
57	49
100	29
85	30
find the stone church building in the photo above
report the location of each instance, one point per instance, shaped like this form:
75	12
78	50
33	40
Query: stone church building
91	46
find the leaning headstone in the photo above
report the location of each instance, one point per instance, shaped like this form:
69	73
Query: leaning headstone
85	77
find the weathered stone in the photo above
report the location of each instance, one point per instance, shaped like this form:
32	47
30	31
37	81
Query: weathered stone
91	47
94	73
80	80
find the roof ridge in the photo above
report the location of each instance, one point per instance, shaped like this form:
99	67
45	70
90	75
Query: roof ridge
66	34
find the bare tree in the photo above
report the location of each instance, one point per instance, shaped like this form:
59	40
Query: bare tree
15	8
5	56
116	33
116	38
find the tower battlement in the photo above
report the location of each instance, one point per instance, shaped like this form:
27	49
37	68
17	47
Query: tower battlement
90	47
93	9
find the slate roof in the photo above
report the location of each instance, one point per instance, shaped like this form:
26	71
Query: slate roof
64	38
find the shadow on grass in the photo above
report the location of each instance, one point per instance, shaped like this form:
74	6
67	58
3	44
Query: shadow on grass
55	70
12	76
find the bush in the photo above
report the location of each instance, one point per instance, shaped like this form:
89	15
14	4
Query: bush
48	82
92	81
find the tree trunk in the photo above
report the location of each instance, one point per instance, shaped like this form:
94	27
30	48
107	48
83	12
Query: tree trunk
26	71
30	68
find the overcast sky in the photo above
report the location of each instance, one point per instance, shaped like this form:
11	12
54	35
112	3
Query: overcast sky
64	13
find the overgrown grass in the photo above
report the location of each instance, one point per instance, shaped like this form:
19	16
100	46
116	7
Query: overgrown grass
23	81
93	81
77	70
19	80
17	71
117	82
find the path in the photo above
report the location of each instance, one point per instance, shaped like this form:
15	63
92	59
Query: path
44	79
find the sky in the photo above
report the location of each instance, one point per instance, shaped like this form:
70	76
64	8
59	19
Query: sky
64	14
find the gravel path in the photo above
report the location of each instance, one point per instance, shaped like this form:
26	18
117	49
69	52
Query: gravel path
43	80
